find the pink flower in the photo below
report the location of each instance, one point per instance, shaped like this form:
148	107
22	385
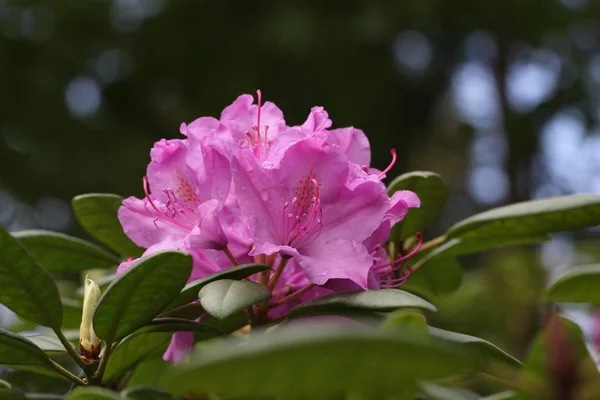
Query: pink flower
248	187
306	209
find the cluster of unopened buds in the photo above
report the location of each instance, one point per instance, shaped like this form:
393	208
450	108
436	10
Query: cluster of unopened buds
248	188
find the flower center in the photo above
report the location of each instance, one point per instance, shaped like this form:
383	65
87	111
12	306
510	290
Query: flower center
178	210
302	216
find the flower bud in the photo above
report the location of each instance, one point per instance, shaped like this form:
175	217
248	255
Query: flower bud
88	341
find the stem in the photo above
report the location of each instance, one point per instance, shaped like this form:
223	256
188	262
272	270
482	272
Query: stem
292	296
68	374
433	243
278	271
103	361
251	316
72	352
229	255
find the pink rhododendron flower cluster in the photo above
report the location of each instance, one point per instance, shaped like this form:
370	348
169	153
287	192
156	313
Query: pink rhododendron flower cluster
249	188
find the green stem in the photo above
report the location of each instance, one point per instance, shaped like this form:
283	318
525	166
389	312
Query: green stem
278	271
72	352
63	371
433	243
230	255
103	362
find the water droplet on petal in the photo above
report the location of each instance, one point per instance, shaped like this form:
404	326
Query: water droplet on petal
268	165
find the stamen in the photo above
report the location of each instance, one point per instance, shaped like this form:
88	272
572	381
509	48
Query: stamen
259	96
389	167
315	209
292	296
161	215
405	257
148	195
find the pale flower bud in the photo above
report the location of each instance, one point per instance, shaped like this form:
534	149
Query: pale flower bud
88	341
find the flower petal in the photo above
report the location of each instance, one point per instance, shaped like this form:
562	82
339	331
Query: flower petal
208	232
141	225
258	198
336	259
356	213
181	345
353	143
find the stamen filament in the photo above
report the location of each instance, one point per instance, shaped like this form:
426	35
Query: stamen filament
292	296
230	255
389	167
277	274
403	258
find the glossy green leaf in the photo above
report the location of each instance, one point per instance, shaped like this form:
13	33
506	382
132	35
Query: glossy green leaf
190	291
383	300
314	359
432	192
92	393
60	252
577	285
145	393
97	213
138	295
19	353
227	297
486	351
27	288
4	384
437	276
137	345
532	217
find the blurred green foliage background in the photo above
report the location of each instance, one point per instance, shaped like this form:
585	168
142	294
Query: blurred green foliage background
500	97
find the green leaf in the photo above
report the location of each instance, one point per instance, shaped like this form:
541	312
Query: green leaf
485	350
140	294
92	393
60	252
226	297
137	345
399	320
27	288
190	291
458	247
577	285
4	384
72	310
10	394
383	300
97	213
534	217
439	392
432	192
145	393
314	359
507	395
439	275
47	343
19	353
